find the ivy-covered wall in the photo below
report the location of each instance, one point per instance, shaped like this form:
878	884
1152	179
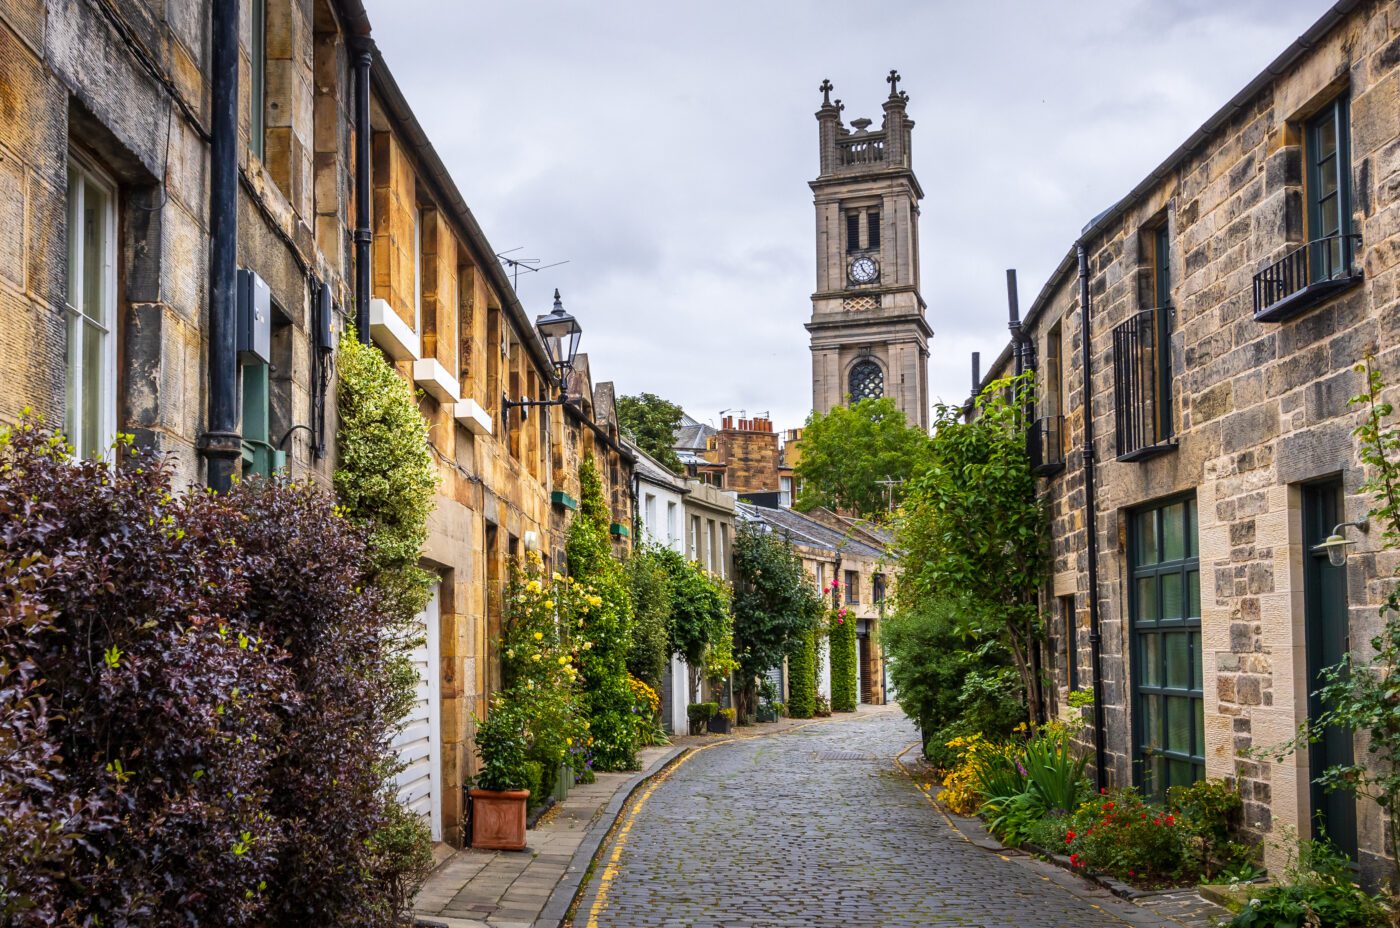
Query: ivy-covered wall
844	694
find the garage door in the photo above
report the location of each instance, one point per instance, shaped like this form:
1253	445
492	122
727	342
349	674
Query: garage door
419	742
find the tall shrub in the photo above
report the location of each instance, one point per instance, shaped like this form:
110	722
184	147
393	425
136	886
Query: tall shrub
608	701
844	691
193	682
650	588
802	675
701	627
385	477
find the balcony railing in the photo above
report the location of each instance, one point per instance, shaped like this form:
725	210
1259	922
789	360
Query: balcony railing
861	149
1142	384
1305	277
1045	443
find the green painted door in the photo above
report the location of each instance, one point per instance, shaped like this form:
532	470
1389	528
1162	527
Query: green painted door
1326	627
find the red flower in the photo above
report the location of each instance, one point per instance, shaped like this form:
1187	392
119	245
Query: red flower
1156	821
1103	791
1131	873
1069	836
1171	819
1107	806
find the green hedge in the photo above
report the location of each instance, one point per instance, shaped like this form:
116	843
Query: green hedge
802	676
843	663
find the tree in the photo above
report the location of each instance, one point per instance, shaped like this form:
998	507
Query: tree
973	528
847	452
652	423
650	587
699	627
773	604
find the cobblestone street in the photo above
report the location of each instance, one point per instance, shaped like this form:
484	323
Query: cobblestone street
818	827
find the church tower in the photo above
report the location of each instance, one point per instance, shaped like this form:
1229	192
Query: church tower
868	333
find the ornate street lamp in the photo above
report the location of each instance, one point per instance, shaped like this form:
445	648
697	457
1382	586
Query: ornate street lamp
560	333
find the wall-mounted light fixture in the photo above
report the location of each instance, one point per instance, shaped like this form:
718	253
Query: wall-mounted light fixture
1337	544
560	333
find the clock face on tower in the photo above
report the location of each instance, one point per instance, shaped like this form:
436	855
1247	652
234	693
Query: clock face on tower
864	270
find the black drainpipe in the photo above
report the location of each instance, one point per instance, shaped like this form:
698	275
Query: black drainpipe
363	192
1020	350
976	386
1091	521
221	444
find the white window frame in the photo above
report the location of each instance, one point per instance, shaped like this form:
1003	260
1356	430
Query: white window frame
673	539
77	318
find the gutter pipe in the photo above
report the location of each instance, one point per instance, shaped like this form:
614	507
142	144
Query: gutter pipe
363	192
1091	522
221	443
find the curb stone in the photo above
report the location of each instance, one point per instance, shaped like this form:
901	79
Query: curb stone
562	896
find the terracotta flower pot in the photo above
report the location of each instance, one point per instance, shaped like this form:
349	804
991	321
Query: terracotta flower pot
498	819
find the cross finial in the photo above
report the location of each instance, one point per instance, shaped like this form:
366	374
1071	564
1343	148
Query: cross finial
826	88
893	81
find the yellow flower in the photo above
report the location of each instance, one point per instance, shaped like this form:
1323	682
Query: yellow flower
510	652
539	636
563	661
595	601
588	645
569	742
555	577
549	604
534	657
533	586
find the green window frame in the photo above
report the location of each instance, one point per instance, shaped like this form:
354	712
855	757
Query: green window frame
1327	149
1164	601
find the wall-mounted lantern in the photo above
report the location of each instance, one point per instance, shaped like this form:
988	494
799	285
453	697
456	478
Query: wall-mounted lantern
560	333
1337	546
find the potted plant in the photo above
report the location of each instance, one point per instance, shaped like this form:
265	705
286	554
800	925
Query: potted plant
500	791
700	714
722	721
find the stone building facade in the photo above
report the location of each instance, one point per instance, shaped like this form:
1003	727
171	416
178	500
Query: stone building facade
105	289
869	337
1230	296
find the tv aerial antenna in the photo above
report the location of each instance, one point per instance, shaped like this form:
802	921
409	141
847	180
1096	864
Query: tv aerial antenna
516	265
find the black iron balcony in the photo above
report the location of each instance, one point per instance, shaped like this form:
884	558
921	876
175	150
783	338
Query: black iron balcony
1045	443
1306	276
1142	384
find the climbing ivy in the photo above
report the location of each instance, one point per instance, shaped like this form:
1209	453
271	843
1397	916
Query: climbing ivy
802	675
843	662
608	701
385	478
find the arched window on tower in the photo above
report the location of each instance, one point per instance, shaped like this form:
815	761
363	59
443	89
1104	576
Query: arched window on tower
867	381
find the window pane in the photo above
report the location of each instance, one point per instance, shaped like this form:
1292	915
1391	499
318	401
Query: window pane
1150	659
1326	135
1327	178
1180	723
1173	532
75	238
1181	773
1147	538
1147	599
1328	212
1178	660
74	359
94	377
1193	594
1196	659
1151	721
1200	749
1173	603
94	252
1191	548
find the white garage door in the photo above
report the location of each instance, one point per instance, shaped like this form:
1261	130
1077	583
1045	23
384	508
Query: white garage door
419	741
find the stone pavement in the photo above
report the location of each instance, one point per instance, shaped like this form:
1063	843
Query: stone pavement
503	889
817	828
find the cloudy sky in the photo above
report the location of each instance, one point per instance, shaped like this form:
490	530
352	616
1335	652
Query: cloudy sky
663	149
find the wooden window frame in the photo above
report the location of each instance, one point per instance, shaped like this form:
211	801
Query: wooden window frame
83	325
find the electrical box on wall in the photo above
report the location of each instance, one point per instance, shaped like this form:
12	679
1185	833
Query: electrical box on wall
324	320
254	318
